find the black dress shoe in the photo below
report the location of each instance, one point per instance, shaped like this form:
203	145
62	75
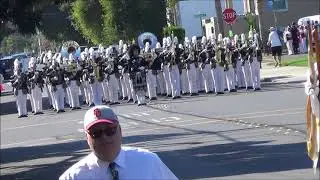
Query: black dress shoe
73	108
136	102
169	95
24	115
130	100
175	97
20	116
257	89
78	107
142	104
32	111
233	90
250	87
164	94
125	98
40	113
91	105
178	97
220	93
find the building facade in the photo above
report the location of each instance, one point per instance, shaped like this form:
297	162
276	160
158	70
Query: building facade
199	17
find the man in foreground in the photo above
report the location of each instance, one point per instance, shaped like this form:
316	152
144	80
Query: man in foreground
110	160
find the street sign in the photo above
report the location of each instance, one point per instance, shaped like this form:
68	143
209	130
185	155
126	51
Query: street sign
229	15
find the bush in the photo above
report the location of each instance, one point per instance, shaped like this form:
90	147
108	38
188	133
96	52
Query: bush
176	31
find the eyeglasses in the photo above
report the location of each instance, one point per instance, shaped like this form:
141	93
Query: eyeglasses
98	133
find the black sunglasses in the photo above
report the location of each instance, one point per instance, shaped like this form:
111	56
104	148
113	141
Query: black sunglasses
98	133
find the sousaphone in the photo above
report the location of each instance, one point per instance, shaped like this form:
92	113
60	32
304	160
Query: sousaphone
147	37
70	47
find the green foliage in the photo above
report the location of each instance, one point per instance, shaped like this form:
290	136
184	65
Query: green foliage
118	19
175	31
172	3
86	15
14	43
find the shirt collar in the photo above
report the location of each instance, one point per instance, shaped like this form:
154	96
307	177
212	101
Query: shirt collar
120	160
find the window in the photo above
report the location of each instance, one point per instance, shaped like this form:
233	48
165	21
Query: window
212	30
280	5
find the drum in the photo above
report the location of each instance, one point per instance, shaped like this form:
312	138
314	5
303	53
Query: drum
139	81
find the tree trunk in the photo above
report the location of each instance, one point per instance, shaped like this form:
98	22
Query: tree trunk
262	29
219	16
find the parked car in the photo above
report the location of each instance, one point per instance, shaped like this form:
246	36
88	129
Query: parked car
6	64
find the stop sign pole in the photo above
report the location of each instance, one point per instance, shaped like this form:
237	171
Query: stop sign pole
229	16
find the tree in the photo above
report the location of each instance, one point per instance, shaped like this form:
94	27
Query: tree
259	5
86	15
118	19
219	16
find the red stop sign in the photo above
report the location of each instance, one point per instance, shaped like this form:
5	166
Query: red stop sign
229	15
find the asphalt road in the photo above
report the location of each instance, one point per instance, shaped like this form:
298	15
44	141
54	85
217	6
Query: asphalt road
246	135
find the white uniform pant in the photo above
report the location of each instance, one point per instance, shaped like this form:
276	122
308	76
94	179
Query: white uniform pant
51	92
151	84
29	96
113	88
184	81
141	96
218	76
88	92
134	96
166	75
96	89
192	78
68	96
230	78
289	47
123	85
175	81
21	100
239	75
247	74
37	99
127	86
74	94
255	69
207	77
59	97
105	90
161	85
200	81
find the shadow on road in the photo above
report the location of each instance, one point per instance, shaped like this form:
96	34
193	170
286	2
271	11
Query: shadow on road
205	161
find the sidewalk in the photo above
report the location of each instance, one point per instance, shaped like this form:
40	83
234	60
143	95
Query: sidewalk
269	73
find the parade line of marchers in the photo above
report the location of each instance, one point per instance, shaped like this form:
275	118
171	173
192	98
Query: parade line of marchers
132	72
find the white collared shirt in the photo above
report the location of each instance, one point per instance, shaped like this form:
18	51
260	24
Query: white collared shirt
132	163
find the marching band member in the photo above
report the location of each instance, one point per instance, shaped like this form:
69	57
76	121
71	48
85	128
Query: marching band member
111	71
255	65
137	73
151	73
191	65
36	84
205	66
218	74
73	81
20	89
183	77
156	66
174	74
165	65
245	63
229	70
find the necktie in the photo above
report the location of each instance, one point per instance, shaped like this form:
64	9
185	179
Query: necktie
114	172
